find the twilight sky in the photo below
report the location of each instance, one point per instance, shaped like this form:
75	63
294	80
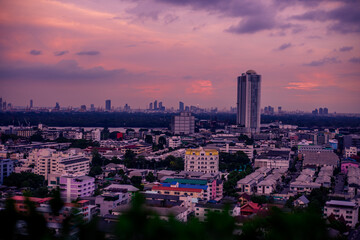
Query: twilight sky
135	51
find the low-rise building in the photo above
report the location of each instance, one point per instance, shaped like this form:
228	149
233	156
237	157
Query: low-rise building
174	142
351	151
273	159
320	159
349	211
348	163
177	191
202	209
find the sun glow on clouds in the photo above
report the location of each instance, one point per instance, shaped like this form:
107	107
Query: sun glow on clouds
203	87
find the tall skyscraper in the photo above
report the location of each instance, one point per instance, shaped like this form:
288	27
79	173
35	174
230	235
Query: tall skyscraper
248	101
181	106
155	105
31	103
108	105
151	106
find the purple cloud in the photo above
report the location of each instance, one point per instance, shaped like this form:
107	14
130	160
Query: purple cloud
346	49
346	17
354	60
35	52
283	47
60	53
88	53
65	70
322	62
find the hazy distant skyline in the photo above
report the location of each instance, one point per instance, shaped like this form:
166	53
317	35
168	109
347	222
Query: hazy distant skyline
79	52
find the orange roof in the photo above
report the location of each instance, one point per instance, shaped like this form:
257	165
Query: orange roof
177	189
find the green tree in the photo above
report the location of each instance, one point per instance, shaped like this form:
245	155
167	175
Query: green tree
105	133
95	170
136	182
150	177
24	179
56	203
149	139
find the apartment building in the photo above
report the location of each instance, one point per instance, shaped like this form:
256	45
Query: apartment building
202	160
348	210
72	187
48	161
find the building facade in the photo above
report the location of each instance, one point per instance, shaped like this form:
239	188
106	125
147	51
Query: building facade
202	160
6	168
183	124
348	210
48	161
248	101
72	187
108	105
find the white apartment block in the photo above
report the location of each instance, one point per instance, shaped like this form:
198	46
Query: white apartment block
174	142
48	161
348	210
96	135
202	160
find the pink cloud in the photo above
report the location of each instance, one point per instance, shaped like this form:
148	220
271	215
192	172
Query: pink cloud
202	87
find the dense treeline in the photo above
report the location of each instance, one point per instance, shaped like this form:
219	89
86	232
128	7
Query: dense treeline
123	119
140	223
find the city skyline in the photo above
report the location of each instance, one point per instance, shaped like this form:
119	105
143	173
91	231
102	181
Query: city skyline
84	52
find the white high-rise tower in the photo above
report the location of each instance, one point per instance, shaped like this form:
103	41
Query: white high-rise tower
248	101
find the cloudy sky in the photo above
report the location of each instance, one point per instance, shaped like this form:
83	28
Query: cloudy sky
135	51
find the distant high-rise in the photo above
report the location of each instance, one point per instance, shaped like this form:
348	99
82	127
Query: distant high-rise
57	106
248	101
279	109
326	111
181	106
108	105
92	107
1	104
320	111
31	103
155	105
151	106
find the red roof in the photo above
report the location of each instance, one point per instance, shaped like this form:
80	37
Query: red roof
177	189
32	199
252	205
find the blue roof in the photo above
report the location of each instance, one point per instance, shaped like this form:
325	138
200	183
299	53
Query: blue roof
192	186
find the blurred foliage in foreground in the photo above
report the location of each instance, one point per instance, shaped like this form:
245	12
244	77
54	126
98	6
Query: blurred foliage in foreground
139	223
